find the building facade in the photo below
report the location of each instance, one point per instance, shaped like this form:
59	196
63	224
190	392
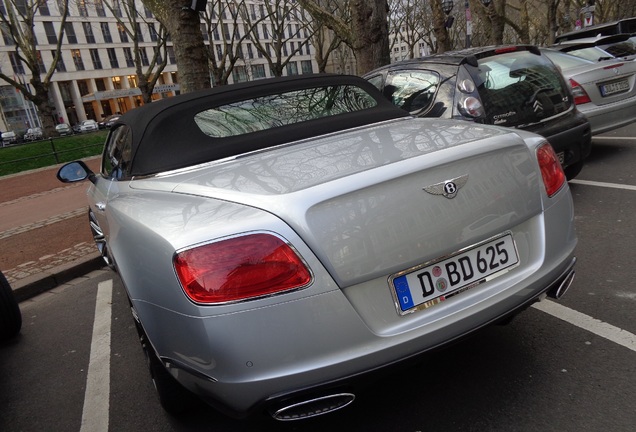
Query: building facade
95	76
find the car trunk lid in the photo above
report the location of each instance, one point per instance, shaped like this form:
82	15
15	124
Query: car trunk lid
371	202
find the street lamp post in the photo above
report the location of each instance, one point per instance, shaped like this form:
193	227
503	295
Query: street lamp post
447	7
469	24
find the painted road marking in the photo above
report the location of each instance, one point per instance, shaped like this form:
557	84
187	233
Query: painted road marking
593	325
603	184
97	396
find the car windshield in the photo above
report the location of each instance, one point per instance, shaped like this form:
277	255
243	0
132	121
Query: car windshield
519	88
272	111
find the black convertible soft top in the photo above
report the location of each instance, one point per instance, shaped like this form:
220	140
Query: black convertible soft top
165	135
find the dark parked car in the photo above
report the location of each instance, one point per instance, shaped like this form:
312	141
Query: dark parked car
10	316
513	86
281	238
109	121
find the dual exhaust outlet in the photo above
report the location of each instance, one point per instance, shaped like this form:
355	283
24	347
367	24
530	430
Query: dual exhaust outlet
313	407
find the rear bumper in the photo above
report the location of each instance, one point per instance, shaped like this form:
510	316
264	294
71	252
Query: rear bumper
612	116
571	136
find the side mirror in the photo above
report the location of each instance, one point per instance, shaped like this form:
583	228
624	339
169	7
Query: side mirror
73	172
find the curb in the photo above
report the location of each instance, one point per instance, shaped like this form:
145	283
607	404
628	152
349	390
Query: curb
33	285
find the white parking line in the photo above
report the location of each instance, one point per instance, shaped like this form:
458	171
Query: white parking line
96	398
603	184
593	325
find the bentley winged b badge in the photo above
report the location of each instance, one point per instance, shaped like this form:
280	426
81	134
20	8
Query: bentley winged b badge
448	188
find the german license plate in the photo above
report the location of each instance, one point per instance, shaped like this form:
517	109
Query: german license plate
614	87
432	283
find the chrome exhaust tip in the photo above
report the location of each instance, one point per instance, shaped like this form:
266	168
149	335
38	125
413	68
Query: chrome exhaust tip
313	407
559	291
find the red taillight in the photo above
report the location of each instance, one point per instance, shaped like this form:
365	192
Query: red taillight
551	170
580	96
240	268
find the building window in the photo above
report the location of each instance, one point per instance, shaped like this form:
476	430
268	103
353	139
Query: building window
60	7
140	34
250	51
51	37
97	62
112	58
59	66
147	12
171	57
215	33
144	56
81	7
265	32
258	71
16	64
219	51
77	59
153	32
88	31
71	37
82	86
306	66
6	36
239	74
40	62
44	9
204	32
226	32
123	36
130	62
99	85
292	68
99	8
108	38
116	8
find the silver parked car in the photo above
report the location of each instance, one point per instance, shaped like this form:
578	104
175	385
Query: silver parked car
279	238
600	48
605	92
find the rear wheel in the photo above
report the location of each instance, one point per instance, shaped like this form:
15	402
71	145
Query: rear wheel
174	398
573	170
10	316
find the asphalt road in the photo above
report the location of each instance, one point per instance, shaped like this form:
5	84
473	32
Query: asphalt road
560	366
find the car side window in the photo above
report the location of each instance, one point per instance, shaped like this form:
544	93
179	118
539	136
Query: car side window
117	154
412	90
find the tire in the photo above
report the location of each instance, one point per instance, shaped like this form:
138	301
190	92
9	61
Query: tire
10	316
173	397
573	170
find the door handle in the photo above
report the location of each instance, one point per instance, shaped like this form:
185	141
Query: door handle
101	206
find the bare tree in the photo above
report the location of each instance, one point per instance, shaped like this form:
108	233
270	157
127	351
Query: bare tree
282	23
326	42
184	27
146	79
17	23
222	22
367	34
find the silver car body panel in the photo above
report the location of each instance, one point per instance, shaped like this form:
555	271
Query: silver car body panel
610	111
352	204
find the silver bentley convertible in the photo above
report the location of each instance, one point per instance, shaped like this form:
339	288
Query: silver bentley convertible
279	238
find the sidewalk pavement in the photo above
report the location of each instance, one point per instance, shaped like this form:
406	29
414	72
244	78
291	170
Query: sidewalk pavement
36	210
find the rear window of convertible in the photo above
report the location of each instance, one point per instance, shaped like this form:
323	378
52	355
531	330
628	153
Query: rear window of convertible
272	111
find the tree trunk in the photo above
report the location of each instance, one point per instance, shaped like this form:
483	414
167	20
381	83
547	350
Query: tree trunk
439	27
370	24
184	27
